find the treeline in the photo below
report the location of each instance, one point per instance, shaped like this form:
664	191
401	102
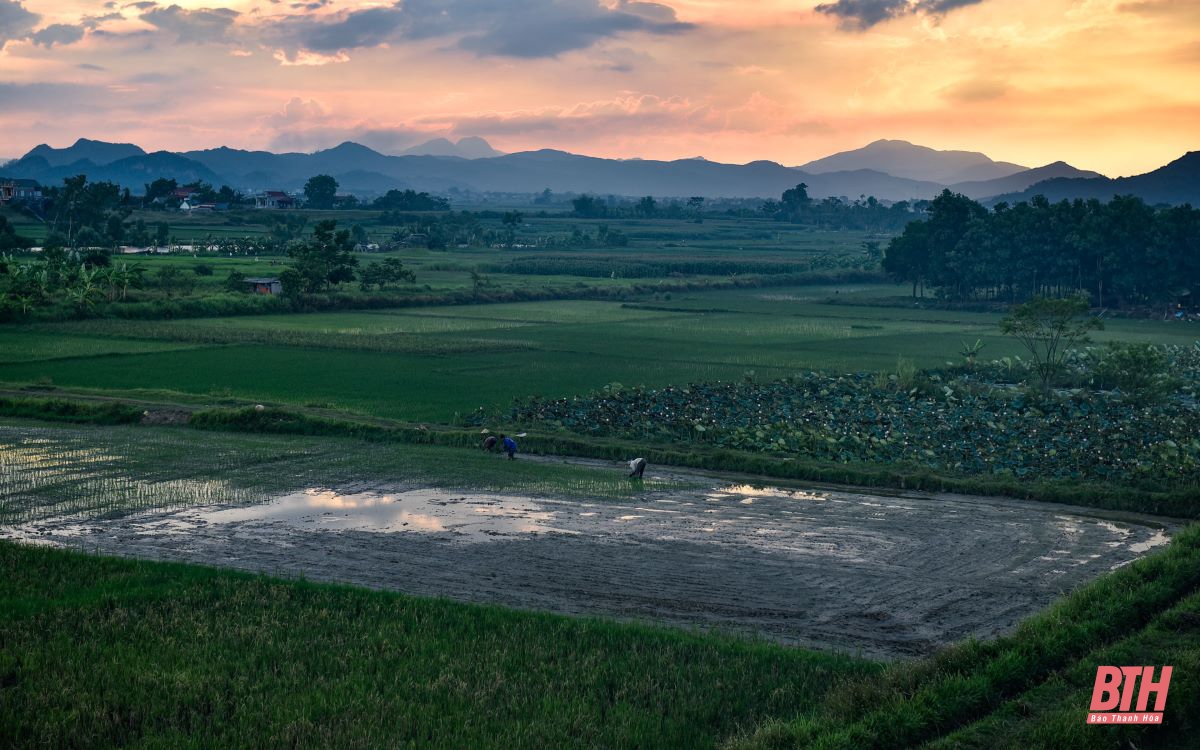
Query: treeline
600	267
866	213
82	214
594	207
795	206
410	200
168	193
84	283
1119	253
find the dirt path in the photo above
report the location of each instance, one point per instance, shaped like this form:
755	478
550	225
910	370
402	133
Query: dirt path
882	575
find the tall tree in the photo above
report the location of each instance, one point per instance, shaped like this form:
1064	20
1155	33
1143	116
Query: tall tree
1049	329
320	191
326	258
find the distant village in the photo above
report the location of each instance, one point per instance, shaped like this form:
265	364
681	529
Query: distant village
188	199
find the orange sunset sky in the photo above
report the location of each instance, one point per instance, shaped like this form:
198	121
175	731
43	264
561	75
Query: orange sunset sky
1110	85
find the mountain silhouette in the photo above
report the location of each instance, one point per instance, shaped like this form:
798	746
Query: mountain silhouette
363	170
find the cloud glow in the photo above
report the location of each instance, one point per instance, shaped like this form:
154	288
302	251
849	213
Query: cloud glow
1104	84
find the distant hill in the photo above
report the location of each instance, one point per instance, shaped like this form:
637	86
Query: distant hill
359	168
97	152
1021	180
471	147
132	172
366	171
1175	183
904	159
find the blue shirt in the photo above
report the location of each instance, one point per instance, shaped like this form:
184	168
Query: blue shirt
510	445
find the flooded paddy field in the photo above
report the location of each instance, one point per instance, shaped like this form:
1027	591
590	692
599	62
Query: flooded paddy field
882	575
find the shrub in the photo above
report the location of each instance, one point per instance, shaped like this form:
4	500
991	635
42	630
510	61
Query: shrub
1139	372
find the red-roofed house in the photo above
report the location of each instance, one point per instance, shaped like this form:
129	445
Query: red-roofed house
274	199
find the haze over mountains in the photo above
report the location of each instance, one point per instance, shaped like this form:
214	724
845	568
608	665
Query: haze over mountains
888	170
471	147
904	159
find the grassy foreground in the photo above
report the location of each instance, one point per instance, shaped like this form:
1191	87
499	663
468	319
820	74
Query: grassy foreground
99	652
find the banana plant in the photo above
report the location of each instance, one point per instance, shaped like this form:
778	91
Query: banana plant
970	352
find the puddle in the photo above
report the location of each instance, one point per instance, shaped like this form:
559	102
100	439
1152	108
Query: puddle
747	493
1157	540
466	517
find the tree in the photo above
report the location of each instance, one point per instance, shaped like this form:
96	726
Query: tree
480	282
795	202
160	189
9	239
172	280
512	220
320	191
382	274
907	256
235	282
327	258
79	204
204	192
228	195
589	207
646	207
1049	329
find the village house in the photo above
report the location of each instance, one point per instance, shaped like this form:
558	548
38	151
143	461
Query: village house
19	190
274	199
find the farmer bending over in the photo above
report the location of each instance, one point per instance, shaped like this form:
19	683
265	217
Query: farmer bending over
637	467
489	443
510	446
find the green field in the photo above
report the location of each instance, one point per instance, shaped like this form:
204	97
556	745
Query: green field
440	363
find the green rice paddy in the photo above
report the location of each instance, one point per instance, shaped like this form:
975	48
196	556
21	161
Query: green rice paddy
439	363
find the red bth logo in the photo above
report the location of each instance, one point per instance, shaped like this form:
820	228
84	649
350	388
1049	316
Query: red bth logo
1113	694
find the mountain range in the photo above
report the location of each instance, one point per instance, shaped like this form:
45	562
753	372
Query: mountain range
904	159
888	170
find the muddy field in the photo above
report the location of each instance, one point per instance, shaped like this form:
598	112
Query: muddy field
885	576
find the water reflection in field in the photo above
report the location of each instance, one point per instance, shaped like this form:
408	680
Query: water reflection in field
466	517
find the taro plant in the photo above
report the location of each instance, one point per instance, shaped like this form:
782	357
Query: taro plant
1139	372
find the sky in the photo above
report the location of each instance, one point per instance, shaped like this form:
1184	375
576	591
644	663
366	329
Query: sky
1109	85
